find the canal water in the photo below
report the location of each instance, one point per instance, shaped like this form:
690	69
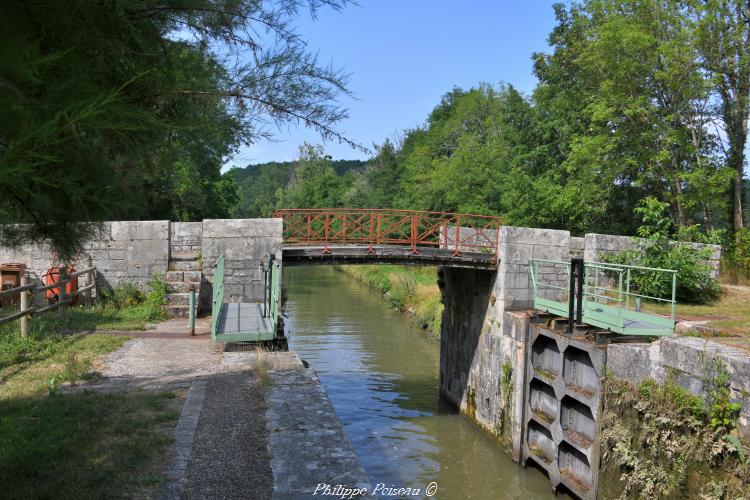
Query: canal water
381	374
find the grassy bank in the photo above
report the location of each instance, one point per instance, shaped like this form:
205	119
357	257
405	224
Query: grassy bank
729	313
409	289
77	445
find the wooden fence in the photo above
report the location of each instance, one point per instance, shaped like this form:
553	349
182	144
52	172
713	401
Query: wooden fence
27	290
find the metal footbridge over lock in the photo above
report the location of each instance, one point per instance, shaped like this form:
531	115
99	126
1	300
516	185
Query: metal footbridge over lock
367	236
597	294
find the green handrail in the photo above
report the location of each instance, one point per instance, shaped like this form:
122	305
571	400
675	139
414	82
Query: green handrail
275	305
609	305
218	294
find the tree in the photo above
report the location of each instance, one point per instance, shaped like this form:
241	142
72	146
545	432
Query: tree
129	108
724	44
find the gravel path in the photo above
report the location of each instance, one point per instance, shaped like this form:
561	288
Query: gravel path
229	457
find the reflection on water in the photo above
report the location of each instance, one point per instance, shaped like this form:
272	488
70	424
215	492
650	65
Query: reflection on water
382	374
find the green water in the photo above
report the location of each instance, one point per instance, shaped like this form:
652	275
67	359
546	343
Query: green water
381	374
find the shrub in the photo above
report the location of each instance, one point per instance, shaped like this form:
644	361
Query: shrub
125	295
146	305
694	281
402	291
156	299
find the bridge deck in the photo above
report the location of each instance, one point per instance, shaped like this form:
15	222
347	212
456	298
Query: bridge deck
243	322
297	254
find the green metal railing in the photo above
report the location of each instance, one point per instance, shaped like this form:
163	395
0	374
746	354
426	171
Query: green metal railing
218	295
611	298
275	295
266	312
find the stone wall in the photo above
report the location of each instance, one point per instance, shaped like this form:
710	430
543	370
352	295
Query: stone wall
243	242
687	361
598	245
185	236
481	341
133	251
125	251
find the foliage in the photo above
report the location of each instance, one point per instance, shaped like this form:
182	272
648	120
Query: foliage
128	109
736	258
723	413
656	250
656	437
147	305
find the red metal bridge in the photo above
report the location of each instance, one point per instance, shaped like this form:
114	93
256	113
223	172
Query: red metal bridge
365	235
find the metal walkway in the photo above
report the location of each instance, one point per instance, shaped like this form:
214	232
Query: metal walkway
607	295
247	321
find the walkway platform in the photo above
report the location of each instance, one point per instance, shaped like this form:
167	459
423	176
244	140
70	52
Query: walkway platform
243	322
608	294
247	321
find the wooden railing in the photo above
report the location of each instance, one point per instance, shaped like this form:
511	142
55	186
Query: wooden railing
27	290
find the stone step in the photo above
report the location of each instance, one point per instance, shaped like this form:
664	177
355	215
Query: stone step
178	299
177	311
183	277
183	256
183	287
174	277
184	265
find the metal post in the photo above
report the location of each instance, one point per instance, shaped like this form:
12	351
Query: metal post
674	291
61	292
414	222
458	234
24	306
627	290
191	312
372	228
325	247
579	288
270	281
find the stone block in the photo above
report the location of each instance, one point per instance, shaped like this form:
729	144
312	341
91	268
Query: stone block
192	230
510	235
630	362
242	228
140	230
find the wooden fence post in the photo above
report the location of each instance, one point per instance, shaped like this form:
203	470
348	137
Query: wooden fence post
24	306
61	292
90	280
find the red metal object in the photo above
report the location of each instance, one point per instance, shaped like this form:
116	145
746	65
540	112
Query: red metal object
53	276
442	230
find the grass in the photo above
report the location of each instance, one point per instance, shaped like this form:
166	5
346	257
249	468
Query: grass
82	444
410	289
731	311
85	445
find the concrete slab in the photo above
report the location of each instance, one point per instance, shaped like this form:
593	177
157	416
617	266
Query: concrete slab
306	441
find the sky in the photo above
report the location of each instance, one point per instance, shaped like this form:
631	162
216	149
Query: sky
403	55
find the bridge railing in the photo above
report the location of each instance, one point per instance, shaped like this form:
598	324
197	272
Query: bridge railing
442	230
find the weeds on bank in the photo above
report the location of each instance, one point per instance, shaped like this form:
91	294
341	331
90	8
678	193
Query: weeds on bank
408	289
664	441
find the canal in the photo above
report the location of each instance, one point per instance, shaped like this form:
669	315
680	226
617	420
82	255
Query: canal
381	374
